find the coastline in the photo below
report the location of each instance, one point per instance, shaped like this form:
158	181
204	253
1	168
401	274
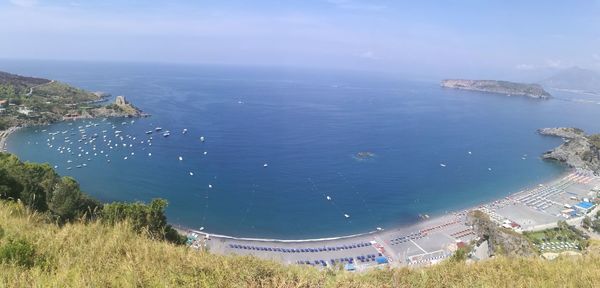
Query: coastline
423	243
183	229
4	136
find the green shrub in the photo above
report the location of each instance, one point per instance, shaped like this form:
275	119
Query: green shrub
19	252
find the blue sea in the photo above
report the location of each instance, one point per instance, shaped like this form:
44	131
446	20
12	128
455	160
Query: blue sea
307	126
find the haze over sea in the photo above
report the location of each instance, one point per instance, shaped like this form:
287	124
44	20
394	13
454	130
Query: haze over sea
307	126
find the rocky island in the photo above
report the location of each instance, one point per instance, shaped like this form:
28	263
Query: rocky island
500	87
578	151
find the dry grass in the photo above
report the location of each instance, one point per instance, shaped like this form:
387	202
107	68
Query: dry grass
96	255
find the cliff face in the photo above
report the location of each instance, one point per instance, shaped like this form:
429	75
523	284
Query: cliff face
500	87
578	150
501	241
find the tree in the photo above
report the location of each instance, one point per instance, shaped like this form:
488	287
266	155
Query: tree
9	187
586	223
145	218
68	202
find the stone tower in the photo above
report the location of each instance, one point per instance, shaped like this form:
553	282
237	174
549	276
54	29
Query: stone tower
121	101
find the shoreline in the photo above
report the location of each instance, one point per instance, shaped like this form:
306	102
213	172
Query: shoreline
5	134
422	243
183	229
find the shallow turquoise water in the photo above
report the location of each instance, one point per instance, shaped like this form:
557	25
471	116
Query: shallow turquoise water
307	125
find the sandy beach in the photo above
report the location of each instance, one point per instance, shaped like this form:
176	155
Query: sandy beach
424	243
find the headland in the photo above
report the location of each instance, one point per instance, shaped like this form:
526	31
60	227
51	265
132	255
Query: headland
27	101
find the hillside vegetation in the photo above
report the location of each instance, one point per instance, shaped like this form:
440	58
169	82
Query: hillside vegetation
36	252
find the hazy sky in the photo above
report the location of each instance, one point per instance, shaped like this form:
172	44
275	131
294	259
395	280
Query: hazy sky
439	37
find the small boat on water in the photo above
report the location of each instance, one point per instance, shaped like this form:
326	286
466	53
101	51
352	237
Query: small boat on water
157	129
184	131
346	215
266	165
149	132
202	138
442	165
167	134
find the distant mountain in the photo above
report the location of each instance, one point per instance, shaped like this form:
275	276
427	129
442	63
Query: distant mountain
500	87
574	78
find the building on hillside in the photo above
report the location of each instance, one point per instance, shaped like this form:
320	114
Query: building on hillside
24	110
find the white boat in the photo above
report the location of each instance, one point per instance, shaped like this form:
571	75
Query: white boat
328	198
202	138
157	129
184	131
167	134
180	158
442	165
266	165
149	132
346	215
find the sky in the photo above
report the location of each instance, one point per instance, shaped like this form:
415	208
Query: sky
458	38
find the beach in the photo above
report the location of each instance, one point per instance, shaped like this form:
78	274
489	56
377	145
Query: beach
4	137
424	243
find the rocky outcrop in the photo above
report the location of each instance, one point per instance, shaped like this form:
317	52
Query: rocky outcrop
501	241
500	87
121	108
578	151
563	132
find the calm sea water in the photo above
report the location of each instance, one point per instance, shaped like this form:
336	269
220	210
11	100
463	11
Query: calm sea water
307	126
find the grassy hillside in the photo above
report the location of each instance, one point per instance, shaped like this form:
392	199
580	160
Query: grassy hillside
35	252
